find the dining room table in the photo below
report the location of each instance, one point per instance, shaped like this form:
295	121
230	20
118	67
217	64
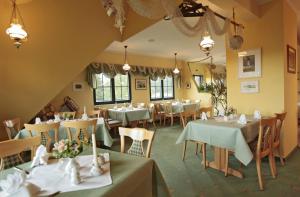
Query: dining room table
102	133
223	134
126	115
178	107
130	176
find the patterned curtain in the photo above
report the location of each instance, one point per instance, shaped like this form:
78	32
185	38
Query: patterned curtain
111	70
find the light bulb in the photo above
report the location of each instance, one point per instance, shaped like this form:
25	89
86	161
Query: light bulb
126	67
176	71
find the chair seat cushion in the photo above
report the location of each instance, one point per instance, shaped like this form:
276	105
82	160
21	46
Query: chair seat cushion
136	148
11	161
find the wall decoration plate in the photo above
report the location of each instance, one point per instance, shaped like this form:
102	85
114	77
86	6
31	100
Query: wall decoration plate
249	63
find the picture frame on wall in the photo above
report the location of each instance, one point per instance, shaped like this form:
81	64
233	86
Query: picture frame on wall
78	86
141	84
291	59
249	63
248	87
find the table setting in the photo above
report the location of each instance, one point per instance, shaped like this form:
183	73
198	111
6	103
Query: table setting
63	170
232	132
102	134
129	113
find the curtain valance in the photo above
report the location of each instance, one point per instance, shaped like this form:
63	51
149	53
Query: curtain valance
111	70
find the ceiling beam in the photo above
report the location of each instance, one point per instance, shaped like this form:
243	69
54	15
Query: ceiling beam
245	9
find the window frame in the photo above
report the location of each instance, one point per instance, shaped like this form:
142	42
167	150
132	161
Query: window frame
162	91
113	94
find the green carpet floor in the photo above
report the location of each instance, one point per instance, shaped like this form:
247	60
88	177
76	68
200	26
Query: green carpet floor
188	178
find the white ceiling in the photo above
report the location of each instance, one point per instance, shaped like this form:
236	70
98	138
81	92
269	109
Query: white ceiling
163	39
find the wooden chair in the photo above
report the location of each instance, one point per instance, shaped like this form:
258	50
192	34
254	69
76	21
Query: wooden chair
138	135
110	123
186	115
207	110
94	113
276	140
81	129
160	114
169	113
11	149
12	127
67	114
262	147
43	130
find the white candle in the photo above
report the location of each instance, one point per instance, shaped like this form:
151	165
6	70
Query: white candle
94	147
84	110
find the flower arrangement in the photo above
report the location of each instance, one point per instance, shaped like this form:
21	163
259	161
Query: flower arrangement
230	111
66	149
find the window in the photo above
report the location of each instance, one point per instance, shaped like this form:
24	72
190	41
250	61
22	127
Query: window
112	90
198	79
162	89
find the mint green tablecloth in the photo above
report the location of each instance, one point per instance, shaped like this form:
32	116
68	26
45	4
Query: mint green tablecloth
180	107
102	134
230	135
132	177
126	116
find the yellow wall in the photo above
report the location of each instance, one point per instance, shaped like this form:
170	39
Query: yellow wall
274	94
85	98
64	37
290	80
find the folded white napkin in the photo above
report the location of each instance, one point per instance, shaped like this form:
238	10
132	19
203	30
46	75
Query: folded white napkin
9	123
203	116
100	120
84	116
257	115
41	156
50	121
15	185
37	120
242	119
56	118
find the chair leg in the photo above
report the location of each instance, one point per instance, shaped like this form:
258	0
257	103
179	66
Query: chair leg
196	152
184	149
258	168
226	161
172	120
204	155
165	121
272	165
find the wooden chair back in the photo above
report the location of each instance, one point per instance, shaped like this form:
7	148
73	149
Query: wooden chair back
81	128
265	136
186	115
68	114
207	110
12	127
103	113
94	113
16	146
158	107
279	122
143	134
168	108
43	131
152	110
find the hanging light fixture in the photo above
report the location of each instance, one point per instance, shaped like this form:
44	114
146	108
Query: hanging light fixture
126	66
206	43
176	70
16	31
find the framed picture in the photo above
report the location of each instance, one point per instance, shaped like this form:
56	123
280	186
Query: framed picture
249	63
140	84
78	86
249	87
291	59
188	85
